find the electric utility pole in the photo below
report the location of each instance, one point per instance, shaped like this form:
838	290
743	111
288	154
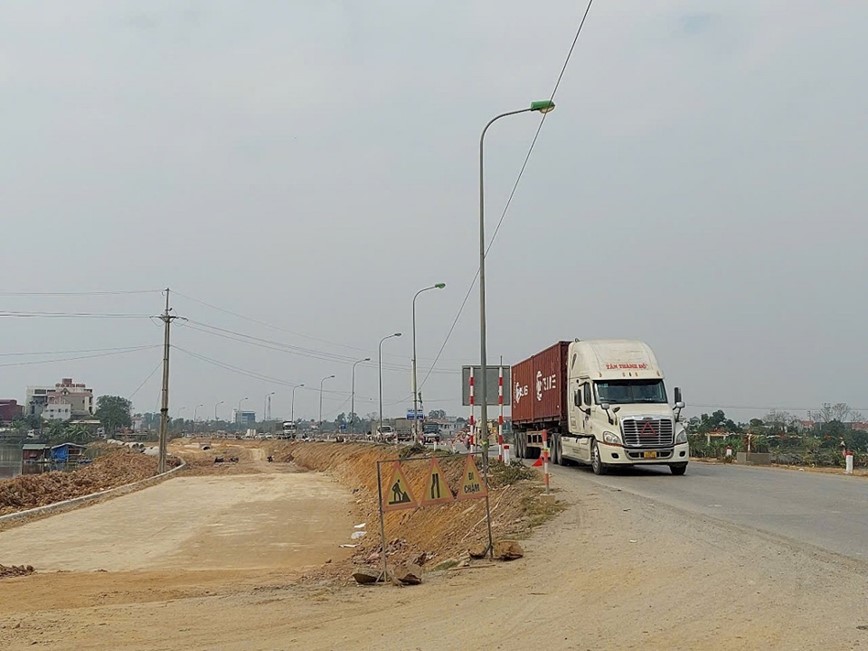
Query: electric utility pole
167	319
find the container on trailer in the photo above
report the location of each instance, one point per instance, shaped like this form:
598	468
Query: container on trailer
540	387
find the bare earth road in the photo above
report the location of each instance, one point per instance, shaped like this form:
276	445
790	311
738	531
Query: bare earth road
826	510
614	571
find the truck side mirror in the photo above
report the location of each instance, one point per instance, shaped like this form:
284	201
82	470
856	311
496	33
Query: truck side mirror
679	403
577	400
605	407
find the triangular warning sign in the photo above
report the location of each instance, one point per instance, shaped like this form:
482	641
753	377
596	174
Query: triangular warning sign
436	490
472	484
396	493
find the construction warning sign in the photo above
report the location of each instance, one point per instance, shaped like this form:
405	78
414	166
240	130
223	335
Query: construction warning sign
436	489
472	484
397	494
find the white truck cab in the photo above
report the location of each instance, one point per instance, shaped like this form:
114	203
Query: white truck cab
618	409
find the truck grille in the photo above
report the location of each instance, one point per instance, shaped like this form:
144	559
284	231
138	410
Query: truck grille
647	432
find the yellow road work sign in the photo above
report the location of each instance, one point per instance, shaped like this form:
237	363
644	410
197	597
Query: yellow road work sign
397	493
472	484
436	490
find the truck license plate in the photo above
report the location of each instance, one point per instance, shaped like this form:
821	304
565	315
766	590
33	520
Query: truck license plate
650	455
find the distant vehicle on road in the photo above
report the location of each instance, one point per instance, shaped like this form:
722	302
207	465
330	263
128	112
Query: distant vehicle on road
431	433
290	430
602	403
385	433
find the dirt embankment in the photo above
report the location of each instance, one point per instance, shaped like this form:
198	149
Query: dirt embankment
116	468
431	535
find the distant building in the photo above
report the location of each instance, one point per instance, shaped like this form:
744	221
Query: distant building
240	417
10	410
76	395
67	452
37	398
66	392
34	452
61	412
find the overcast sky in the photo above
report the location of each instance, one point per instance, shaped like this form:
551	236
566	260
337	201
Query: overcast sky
311	164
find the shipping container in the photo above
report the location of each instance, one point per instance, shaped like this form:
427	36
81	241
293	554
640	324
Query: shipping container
539	388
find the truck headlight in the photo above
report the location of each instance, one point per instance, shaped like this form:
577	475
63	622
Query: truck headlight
681	436
611	438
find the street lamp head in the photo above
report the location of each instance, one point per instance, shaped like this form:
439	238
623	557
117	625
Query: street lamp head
440	285
543	106
367	359
397	334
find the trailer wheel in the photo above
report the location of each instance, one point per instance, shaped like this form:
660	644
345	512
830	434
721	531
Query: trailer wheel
597	464
517	446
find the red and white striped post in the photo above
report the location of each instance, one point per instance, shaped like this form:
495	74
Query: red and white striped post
848	462
500	417
472	431
545	453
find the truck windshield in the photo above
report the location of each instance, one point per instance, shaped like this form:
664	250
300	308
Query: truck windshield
623	392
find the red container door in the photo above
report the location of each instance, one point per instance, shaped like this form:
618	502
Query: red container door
522	392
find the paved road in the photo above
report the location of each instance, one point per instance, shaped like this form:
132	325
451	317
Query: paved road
828	511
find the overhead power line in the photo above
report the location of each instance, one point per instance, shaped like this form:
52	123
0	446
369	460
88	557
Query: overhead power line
71	315
36	353
278	346
93	293
266	324
145	381
122	351
255	374
514	187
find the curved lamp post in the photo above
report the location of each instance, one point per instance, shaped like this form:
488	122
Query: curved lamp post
543	106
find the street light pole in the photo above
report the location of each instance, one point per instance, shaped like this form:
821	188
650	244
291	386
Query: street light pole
353	394
265	406
415	382
292	409
195	414
215	410
380	364
543	106
328	377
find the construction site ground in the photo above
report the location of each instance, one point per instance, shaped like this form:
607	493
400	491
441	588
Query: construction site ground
233	556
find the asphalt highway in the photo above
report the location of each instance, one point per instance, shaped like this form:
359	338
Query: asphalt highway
829	511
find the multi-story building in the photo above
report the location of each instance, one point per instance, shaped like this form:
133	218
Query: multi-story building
37	398
76	395
57	411
243	417
66	392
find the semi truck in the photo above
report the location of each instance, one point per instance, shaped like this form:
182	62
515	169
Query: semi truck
601	402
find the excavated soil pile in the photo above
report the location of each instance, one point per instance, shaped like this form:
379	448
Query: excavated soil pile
434	535
119	467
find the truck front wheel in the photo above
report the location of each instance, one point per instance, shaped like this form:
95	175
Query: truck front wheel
597	464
